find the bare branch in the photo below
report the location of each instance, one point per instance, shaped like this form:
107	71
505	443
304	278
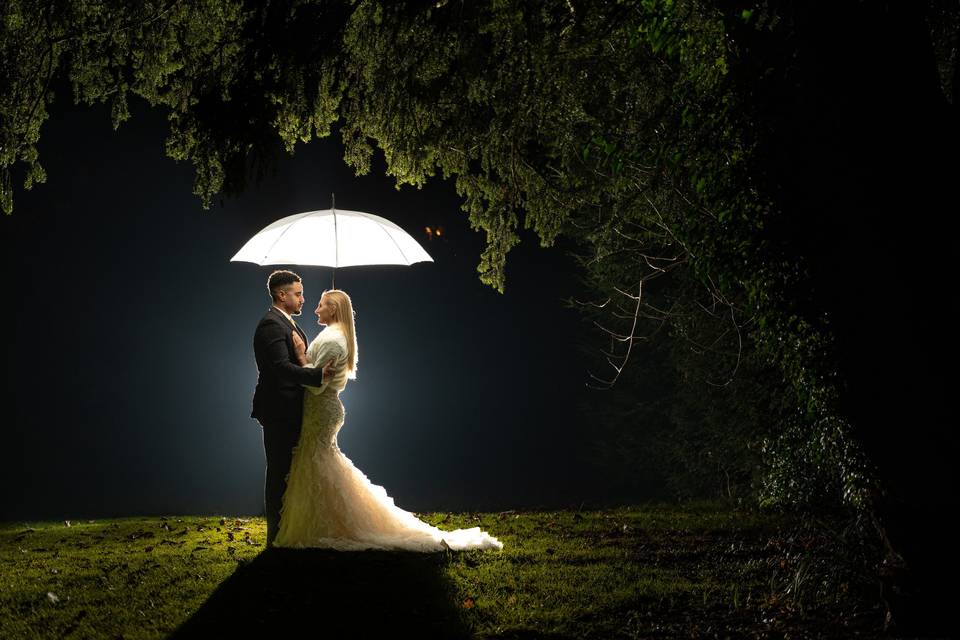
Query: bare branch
592	304
628	339
736	367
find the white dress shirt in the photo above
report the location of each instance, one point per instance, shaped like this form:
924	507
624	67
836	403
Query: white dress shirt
287	315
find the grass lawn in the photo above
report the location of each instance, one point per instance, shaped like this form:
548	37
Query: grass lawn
654	571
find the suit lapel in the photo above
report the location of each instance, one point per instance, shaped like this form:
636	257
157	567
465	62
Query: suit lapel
302	334
293	325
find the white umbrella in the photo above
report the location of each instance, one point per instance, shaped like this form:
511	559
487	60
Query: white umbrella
332	238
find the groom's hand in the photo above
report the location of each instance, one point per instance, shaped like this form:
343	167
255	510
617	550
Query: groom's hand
330	369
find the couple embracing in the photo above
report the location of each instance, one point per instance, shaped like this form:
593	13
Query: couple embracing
314	495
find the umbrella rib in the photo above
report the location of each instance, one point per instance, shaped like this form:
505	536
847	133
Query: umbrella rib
283	233
384	229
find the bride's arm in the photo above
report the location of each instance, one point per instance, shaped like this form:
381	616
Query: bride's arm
320	353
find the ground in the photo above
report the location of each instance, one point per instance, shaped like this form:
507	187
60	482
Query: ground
651	571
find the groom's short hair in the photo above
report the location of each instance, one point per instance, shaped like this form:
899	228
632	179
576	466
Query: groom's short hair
279	279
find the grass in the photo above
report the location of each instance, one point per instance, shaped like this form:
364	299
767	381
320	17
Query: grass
699	570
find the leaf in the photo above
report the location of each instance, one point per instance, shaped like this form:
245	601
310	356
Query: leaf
469	603
52	597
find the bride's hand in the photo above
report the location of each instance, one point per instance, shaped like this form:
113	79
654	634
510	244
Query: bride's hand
330	369
300	349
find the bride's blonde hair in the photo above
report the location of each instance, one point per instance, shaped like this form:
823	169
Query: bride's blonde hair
343	316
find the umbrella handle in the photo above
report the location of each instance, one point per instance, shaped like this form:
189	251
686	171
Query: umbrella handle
336	240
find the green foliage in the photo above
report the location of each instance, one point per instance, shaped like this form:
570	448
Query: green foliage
232	79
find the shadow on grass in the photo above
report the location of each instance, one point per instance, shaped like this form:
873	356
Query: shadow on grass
334	594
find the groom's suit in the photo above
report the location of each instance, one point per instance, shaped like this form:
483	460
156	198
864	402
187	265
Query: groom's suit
278	404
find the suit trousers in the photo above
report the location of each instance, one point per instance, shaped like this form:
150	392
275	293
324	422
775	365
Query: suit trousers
279	439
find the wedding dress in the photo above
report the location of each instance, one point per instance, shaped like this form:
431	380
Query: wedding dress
329	502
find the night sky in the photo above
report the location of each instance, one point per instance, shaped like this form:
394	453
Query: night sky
130	365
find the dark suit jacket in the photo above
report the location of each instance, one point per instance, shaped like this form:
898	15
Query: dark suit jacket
279	393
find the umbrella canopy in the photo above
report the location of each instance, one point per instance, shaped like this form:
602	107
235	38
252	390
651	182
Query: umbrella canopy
332	238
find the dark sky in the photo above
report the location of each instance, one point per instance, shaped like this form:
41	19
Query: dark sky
129	345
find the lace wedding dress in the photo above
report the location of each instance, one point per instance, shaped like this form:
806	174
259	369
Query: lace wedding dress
329	502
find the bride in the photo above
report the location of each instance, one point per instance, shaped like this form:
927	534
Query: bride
328	501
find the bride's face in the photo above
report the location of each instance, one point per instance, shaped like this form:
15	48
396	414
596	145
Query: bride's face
325	310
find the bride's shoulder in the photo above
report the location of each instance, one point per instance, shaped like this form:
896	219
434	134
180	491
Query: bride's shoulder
333	334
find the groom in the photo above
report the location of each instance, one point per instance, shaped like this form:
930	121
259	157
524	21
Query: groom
278	399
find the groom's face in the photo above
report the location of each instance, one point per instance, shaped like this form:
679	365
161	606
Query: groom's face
291	298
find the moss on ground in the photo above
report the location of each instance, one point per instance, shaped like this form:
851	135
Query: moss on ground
696	570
